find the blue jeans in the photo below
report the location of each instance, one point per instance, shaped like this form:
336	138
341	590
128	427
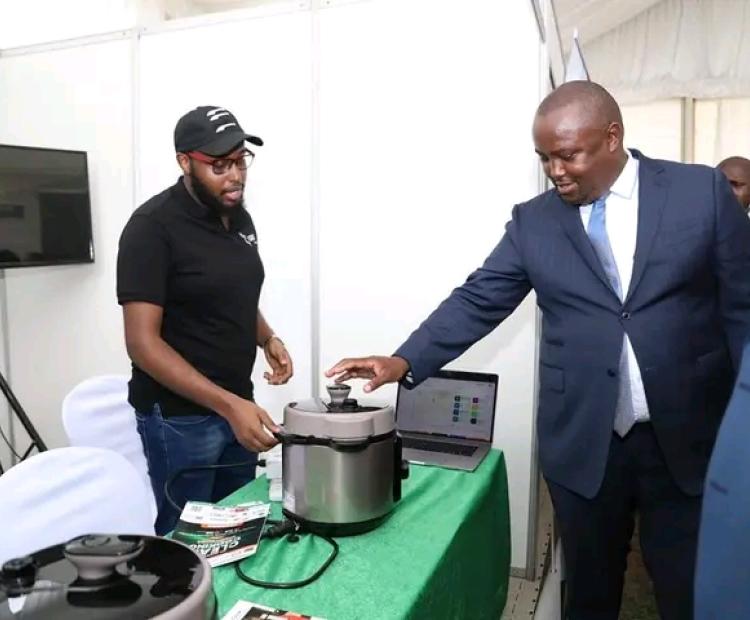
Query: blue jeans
174	443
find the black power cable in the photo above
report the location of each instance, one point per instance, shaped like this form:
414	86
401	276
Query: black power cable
9	444
36	440
10	447
288	528
15	406
180	472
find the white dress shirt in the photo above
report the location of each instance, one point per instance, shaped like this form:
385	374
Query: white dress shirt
621	220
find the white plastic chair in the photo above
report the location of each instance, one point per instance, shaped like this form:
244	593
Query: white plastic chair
59	494
96	413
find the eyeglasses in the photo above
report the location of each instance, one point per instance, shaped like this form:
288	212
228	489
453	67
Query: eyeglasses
222	165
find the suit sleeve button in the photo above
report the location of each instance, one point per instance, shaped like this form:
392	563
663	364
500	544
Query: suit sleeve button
611	372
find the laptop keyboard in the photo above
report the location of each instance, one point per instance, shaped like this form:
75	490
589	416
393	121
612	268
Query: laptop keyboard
438	446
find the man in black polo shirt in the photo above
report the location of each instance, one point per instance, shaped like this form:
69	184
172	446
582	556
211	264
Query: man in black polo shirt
189	278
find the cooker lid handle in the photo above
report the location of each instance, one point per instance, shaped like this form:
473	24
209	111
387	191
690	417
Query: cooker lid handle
282	436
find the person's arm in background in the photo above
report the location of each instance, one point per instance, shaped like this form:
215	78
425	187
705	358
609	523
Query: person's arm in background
470	312
143	263
277	356
732	266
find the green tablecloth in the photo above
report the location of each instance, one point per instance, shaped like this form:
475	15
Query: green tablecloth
443	553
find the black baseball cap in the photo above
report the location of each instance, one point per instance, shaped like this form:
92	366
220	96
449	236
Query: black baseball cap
211	130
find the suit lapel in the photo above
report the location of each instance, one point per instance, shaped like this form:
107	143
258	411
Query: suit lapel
570	218
652	195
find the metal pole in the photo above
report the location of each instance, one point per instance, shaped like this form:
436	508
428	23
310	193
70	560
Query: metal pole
28	426
13	404
6	359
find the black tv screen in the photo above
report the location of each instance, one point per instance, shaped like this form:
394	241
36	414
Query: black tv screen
45	211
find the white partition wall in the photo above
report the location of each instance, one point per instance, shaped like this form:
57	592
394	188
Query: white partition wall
260	69
6	413
64	324
425	145
41	21
397	141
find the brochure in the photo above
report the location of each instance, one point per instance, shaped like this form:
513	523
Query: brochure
246	610
222	534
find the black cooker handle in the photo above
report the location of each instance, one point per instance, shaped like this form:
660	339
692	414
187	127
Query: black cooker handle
282	436
349	446
400	467
340	445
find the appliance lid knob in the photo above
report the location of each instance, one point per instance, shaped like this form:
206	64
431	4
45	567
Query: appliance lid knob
338	392
96	555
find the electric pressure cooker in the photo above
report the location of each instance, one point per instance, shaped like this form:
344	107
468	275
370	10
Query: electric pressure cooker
341	463
108	576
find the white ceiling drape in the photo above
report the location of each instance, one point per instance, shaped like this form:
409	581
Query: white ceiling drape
676	48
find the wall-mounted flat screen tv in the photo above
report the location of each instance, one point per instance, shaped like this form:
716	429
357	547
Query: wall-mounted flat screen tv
45	210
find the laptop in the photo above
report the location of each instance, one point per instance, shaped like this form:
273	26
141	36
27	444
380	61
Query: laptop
448	419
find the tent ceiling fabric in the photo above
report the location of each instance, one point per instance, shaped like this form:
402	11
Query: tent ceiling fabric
174	9
594	17
641	50
665	49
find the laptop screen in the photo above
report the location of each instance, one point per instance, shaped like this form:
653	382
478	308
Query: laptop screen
453	403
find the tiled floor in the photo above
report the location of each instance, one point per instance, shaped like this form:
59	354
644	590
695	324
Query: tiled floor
638	601
522	593
638	596
522	598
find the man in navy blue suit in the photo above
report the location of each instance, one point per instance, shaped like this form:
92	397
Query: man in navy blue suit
722	576
640	268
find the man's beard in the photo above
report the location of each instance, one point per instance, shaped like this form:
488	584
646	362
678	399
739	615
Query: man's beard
204	195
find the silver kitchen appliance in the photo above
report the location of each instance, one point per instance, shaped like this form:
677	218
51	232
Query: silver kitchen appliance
108	576
341	463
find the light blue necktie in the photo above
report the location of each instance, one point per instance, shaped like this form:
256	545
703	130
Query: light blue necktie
597	232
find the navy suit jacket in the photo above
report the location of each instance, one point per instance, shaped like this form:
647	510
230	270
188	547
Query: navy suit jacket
723	563
687	313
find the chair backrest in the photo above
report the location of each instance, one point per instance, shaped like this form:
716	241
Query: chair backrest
59	494
96	413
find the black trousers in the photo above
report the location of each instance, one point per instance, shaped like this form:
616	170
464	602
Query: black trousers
596	532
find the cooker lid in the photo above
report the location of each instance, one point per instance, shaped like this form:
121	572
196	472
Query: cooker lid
106	576
339	417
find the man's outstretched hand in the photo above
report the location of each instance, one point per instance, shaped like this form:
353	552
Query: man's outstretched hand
379	369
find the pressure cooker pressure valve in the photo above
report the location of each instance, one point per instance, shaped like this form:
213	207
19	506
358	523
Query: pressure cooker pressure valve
96	555
338	393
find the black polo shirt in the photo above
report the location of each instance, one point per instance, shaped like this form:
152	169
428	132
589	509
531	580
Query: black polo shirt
176	253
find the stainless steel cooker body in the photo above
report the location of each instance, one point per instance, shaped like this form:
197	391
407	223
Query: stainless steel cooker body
341	465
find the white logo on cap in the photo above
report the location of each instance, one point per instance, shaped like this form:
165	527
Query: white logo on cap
217	113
